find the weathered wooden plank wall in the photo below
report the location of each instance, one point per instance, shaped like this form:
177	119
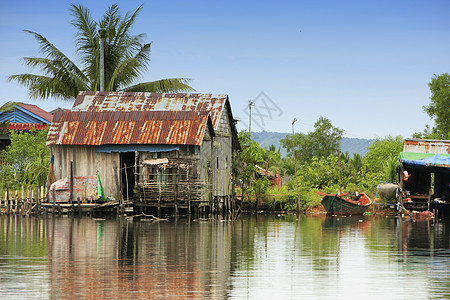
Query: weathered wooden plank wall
86	162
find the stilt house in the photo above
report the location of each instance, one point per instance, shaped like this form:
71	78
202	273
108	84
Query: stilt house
20	116
158	150
424	175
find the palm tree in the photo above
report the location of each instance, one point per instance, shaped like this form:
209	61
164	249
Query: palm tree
126	58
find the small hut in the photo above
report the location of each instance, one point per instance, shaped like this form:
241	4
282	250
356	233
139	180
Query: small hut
424	175
21	117
157	150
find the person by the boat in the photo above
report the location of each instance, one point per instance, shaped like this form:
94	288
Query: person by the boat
406	175
355	196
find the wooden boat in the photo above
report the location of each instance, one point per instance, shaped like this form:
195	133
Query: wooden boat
337	205
422	215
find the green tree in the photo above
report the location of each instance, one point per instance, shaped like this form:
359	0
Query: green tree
270	156
322	142
438	109
383	151
244	164
27	159
390	170
126	58
325	138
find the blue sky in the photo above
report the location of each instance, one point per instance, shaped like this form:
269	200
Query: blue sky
364	65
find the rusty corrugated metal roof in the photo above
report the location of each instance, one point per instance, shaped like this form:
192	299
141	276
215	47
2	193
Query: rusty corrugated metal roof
27	126
426	146
102	127
128	102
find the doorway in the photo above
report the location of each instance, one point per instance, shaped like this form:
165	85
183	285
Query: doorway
127	161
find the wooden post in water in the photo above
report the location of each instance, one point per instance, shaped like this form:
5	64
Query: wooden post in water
71	186
176	191
136	159
27	210
8	207
158	177
23	199
37	208
116	177
17	202
126	181
54	200
188	191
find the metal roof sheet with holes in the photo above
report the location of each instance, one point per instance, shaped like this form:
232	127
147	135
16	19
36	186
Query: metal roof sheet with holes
27	126
103	127
427	146
137	101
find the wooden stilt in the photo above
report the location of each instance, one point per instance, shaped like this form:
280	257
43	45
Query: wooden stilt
17	202
159	176
126	181
54	200
176	192
8	205
38	208
119	194
188	192
23	199
71	186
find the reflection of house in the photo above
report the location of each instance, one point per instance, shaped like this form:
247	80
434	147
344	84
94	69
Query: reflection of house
425	174
274	178
163	150
21	116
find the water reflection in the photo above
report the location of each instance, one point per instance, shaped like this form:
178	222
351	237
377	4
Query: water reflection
253	257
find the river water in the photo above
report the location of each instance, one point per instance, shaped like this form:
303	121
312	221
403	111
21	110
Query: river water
253	257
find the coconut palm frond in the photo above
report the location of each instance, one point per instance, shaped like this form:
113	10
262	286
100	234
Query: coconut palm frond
171	85
129	69
55	67
87	36
124	74
44	86
66	79
127	57
122	36
50	50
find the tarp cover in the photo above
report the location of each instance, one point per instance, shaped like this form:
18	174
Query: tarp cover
158	161
425	159
84	187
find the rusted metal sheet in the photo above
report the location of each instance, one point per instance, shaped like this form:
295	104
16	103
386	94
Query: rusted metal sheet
427	146
125	127
27	126
128	102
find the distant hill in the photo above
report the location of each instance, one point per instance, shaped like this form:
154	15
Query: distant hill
350	145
